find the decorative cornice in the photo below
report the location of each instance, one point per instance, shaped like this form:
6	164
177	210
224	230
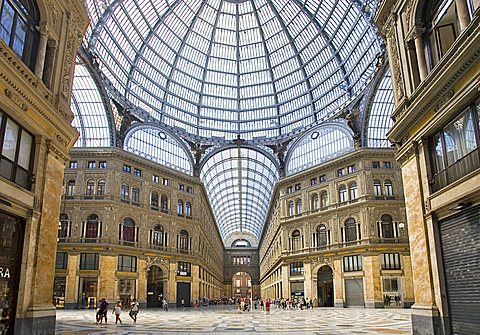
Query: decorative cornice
16	99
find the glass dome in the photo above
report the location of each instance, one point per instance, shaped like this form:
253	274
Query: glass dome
215	69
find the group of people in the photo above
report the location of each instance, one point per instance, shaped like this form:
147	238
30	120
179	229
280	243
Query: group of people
117	310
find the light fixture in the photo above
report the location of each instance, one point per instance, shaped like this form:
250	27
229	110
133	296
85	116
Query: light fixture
461	205
401	225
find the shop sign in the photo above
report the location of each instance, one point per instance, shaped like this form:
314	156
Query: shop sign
4	272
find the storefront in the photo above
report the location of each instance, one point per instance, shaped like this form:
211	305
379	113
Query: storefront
87	293
11	245
59	287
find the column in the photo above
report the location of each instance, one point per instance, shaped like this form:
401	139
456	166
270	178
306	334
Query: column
42	50
107	283
172	284
372	289
195	283
463	13
308	279
141	293
71	294
285	281
417	36
338	283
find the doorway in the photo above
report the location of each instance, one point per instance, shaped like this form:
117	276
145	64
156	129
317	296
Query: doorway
241	285
325	286
155	280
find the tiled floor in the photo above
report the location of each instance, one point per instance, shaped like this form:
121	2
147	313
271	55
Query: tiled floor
225	320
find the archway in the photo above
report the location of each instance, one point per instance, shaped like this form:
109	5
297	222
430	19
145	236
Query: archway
241	285
325	286
155	281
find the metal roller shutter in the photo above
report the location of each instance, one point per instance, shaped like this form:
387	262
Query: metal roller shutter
460	243
354	292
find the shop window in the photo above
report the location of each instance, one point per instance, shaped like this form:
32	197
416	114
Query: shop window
18	28
61	261
127	263
352	263
296	269
184	269
16	155
88	261
101	187
391	261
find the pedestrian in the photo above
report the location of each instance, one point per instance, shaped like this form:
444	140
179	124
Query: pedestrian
117	309
183	304
165	305
102	311
133	310
267	306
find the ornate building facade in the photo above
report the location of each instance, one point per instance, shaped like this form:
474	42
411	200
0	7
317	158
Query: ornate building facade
131	228
337	233
433	48
38	43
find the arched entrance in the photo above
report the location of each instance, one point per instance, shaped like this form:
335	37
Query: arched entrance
155	280
325	286
241	285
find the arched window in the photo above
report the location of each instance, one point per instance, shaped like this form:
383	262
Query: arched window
377	188
125	191
164	203
101	187
353	191
64	229
91	228
183	240
322	235
324	199
387	230
388	188
180	207
90	187
342	194
299	206
154	200
315	201
71	188
128	230
291	208
19	21
350	230
158	236
135	195
296	240
188	209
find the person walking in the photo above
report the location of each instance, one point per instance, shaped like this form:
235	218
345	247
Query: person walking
102	311
133	310
165	305
183	304
117	309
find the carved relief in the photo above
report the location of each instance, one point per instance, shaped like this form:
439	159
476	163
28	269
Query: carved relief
443	100
16	99
68	68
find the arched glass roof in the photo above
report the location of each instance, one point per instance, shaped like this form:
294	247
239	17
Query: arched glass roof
380	113
218	68
89	110
239	182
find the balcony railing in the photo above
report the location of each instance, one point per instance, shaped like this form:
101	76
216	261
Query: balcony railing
457	170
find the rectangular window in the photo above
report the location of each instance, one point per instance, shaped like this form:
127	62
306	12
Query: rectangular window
137	172
352	263
351	169
155	179
102	165
73	165
89	262
127	168
323	178
181	187
91	165
16	153
296	269
391	262
339	172
376	165
61	261
189	189
127	263
387	165
313	181
165	182
298	187
289	189
184	269
390	284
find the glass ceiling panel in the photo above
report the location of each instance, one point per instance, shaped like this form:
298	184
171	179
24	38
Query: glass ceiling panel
239	182
380	114
288	64
89	110
317	146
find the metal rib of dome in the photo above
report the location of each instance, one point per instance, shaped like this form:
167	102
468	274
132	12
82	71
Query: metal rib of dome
218	68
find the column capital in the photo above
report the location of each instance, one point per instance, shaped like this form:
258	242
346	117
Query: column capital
416	32
44	29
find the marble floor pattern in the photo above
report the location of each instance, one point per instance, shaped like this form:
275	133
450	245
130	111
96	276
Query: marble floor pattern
222	320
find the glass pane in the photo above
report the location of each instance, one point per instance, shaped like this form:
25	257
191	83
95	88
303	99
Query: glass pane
25	150
20	34
10	140
6	22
